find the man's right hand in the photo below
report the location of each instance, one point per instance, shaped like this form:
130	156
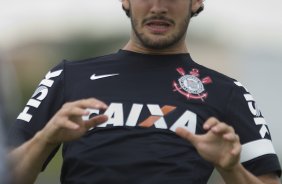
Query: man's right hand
67	123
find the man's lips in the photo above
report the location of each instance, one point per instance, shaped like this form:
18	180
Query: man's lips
158	26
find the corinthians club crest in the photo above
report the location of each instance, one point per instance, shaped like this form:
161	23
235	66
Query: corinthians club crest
191	86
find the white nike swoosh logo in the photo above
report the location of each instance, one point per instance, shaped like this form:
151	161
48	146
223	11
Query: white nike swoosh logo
95	77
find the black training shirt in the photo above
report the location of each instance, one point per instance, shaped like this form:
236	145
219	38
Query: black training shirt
148	97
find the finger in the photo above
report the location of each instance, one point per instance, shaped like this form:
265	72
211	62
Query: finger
186	135
210	123
222	128
75	111
95	121
236	148
91	103
70	125
230	137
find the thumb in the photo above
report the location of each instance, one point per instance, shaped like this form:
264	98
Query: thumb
187	135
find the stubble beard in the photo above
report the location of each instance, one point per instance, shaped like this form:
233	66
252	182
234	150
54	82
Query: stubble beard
161	42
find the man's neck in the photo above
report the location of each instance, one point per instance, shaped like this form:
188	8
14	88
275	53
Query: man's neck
131	46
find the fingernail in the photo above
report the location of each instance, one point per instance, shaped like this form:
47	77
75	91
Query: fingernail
75	126
206	126
214	128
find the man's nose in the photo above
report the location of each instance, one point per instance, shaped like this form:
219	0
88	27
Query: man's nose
159	6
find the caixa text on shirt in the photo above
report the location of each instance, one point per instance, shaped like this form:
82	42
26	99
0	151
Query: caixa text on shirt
116	117
40	94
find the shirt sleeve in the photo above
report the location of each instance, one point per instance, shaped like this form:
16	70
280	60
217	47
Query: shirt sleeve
43	104
258	154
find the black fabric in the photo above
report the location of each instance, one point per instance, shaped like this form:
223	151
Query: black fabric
148	96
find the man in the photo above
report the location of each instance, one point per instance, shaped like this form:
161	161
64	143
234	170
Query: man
167	118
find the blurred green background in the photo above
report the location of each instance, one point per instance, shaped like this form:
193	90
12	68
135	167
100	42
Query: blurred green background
241	39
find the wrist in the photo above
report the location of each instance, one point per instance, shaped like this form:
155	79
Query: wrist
235	174
238	174
227	170
43	140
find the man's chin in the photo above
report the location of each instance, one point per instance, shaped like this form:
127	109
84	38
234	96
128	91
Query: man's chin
155	42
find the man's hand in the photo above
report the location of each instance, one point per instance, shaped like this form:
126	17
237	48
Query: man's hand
67	123
219	145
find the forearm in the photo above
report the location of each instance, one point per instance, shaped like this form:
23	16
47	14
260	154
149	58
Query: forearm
239	175
28	159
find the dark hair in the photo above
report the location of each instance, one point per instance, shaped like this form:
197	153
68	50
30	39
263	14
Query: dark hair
194	14
126	11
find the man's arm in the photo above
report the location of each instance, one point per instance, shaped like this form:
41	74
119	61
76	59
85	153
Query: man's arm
28	159
221	146
239	175
66	125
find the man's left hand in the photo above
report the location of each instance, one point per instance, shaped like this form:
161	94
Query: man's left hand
220	145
